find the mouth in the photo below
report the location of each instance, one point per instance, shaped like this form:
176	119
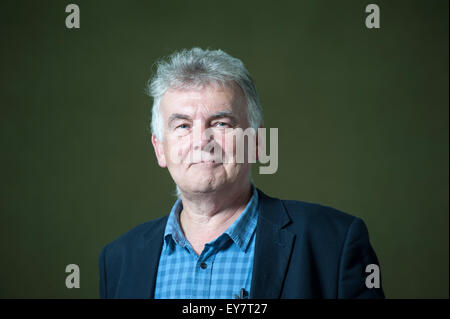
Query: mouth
207	163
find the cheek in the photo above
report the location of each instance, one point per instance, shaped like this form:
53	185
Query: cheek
176	150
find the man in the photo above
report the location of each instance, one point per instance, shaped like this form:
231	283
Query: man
224	238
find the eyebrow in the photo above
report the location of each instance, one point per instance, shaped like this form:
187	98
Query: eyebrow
217	115
178	116
222	114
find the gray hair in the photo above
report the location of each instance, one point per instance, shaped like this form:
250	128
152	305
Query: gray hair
194	68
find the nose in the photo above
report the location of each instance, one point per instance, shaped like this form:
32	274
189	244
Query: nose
201	136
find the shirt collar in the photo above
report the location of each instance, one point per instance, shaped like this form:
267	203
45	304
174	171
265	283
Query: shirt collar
240	231
173	229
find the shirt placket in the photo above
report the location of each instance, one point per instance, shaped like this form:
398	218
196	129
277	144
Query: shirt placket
203	272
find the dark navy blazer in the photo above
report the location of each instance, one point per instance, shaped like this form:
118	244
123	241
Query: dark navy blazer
302	250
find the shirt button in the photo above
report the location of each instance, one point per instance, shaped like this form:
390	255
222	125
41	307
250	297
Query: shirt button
203	265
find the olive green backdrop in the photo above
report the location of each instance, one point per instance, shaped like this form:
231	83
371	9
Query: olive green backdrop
362	117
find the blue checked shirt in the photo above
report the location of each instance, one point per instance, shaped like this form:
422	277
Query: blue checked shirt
223	268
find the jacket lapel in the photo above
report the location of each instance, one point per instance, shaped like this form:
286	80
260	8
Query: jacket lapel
147	258
272	249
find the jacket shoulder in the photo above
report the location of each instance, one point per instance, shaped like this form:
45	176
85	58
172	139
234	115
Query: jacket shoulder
133	237
120	259
319	221
314	211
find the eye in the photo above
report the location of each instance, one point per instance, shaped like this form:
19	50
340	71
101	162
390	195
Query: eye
221	124
183	126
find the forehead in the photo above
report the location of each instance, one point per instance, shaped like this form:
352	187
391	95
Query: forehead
204	100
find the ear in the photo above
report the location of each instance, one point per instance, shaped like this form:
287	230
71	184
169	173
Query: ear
159	151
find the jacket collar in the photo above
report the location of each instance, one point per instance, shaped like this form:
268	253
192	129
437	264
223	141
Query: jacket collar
273	243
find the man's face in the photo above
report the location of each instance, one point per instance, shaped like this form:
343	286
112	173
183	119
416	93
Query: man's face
199	162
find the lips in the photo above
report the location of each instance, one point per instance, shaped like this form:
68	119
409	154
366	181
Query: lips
207	163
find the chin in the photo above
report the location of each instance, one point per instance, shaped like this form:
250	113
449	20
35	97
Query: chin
203	185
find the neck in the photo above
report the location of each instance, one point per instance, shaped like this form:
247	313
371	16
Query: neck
207	216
